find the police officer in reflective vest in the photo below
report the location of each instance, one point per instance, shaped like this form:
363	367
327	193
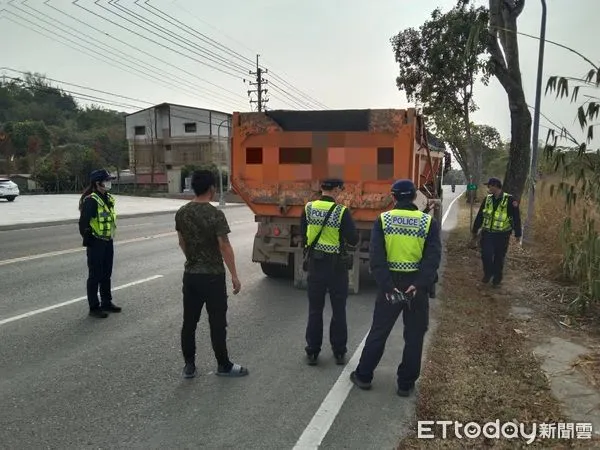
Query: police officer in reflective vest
97	225
405	255
327	268
498	218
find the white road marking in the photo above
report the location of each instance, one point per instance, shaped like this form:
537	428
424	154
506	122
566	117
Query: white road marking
319	426
60	305
81	249
321	422
450	207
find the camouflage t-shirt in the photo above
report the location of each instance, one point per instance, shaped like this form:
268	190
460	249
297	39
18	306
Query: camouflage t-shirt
200	224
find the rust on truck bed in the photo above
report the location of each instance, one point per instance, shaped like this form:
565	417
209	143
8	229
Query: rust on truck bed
279	158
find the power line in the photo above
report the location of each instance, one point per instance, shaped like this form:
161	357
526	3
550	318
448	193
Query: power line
101	100
200	52
75	2
192	32
307	97
207	39
273	74
210	92
291	97
163	30
105	56
71	84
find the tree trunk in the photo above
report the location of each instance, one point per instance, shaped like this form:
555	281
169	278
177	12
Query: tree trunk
505	66
517	168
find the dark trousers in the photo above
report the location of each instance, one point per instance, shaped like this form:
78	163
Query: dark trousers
323	276
493	251
198	290
100	256
416	323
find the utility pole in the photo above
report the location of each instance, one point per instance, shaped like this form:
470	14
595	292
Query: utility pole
527	234
260	82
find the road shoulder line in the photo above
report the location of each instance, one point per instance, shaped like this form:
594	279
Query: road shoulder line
321	422
69	302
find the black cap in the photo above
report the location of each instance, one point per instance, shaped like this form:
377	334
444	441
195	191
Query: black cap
332	183
100	175
494	182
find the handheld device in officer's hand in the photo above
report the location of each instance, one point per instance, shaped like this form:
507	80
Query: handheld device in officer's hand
397	296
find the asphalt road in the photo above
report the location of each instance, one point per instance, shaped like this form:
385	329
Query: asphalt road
69	381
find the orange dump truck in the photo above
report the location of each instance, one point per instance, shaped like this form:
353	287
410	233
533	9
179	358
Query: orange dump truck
278	159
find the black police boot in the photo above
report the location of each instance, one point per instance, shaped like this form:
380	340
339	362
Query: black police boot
340	359
189	371
111	307
358	382
311	359
404	391
98	313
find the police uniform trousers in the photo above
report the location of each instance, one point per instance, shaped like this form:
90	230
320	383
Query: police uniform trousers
494	246
326	275
416	323
100	255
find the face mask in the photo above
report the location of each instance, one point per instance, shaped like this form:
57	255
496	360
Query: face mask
107	185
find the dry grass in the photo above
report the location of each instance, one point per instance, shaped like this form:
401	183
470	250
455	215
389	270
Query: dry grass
546	254
479	366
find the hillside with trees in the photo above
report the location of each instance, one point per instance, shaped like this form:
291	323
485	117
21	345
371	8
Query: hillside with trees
46	133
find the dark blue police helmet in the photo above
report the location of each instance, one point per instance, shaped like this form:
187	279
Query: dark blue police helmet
100	176
332	183
404	189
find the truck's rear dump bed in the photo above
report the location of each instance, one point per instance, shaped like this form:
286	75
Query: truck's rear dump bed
279	158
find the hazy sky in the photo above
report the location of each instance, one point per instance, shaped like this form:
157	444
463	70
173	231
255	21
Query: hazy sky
338	52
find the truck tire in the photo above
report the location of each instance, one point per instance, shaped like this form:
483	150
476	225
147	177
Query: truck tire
277	270
11	199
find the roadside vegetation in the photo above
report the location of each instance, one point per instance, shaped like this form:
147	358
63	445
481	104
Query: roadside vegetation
480	364
46	133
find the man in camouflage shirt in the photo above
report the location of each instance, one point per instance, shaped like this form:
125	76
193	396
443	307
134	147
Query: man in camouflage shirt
203	237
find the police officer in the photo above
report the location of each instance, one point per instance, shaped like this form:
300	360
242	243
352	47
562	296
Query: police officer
498	217
97	225
406	251
327	268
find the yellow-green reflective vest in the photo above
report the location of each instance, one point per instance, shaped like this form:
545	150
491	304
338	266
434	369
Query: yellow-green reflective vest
103	225
329	242
405	232
498	220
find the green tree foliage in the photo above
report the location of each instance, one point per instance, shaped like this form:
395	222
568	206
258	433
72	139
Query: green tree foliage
67	167
438	69
41	123
28	137
455	177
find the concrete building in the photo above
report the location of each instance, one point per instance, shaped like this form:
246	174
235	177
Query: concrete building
166	137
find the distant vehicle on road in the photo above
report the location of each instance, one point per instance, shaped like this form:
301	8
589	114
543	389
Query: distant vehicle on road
8	189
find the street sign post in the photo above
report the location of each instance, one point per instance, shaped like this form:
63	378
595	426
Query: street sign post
471	187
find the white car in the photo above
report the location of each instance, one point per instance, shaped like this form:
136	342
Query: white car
8	189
